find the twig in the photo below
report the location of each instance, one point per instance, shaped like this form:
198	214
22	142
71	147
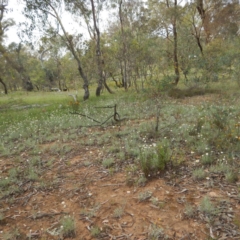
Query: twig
131	224
115	116
106	120
107	107
28	197
117	184
34	234
42	215
85	116
123	236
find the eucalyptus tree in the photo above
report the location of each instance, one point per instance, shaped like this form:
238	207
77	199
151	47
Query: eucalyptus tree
47	15
2	70
90	10
4	86
97	38
69	73
127	34
165	20
3	26
100	59
51	50
13	60
13	55
127	16
214	25
123	25
220	18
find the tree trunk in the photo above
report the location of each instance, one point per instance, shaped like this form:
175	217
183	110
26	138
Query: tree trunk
37	87
4	86
100	61
175	48
125	76
98	51
204	18
119	85
85	84
27	84
105	83
197	34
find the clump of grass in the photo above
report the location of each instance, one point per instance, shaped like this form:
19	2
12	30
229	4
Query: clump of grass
130	181
118	212
146	162
207	159
88	214
142	181
207	207
155	201
220	168
95	231
113	149
155	232
154	160
143	196
5	182
189	210
74	105
68	227
108	162
31	174
87	163
199	174
2	218
231	176
196	130
12	235
163	155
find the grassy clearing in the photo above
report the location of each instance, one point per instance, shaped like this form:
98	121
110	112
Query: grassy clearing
155	137
202	129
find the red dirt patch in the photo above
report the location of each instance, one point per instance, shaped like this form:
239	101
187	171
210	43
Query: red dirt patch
94	197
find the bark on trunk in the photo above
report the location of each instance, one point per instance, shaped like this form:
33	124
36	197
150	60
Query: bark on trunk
100	61
124	76
197	34
105	83
27	84
85	84
119	85
98	51
4	86
175	48
204	18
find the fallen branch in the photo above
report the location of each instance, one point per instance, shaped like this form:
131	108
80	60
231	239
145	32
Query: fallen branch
83	115
115	116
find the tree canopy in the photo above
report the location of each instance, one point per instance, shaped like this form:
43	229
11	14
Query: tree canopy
129	44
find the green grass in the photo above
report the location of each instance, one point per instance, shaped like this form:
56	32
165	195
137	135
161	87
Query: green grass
207	207
46	129
68	227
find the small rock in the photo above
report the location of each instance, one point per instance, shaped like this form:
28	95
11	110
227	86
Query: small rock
213	194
